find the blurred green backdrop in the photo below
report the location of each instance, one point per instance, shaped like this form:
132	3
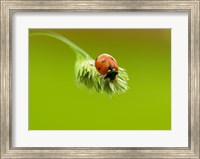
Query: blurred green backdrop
56	103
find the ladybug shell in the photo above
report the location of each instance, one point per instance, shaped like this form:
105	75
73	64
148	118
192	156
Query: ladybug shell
104	63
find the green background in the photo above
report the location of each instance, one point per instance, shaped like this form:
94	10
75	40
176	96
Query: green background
57	103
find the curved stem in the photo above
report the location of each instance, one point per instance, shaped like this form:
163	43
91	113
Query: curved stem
73	46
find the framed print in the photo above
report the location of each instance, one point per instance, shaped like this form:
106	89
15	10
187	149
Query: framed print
99	79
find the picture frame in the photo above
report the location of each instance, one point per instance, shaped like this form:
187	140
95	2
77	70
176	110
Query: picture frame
9	7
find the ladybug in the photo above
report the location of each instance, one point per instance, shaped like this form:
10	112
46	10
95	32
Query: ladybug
107	66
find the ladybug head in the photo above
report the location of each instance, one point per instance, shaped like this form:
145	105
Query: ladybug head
111	73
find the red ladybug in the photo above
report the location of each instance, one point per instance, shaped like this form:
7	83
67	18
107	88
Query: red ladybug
107	66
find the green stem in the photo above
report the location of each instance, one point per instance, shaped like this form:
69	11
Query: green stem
73	46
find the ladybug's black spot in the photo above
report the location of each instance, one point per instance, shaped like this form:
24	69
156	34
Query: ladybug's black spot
103	61
110	68
99	68
112	58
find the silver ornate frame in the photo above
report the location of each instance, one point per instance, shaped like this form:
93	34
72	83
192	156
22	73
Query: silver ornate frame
8	7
